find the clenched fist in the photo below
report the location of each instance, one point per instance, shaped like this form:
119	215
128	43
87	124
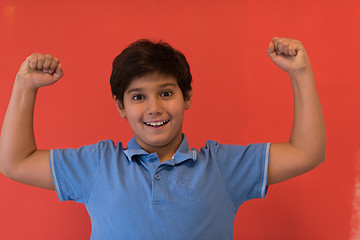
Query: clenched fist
39	70
289	55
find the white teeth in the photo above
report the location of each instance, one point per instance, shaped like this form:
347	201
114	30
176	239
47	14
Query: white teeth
156	124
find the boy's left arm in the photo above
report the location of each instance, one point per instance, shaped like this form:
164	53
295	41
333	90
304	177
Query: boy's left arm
307	145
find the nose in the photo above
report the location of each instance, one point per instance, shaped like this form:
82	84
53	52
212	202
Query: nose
154	106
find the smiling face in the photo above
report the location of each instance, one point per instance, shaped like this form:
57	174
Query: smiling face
154	107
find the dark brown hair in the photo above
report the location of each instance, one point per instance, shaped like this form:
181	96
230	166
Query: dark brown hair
143	57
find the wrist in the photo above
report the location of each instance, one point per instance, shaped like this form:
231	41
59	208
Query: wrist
301	75
24	87
24	84
302	80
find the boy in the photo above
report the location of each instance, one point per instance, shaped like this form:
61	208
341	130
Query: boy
158	188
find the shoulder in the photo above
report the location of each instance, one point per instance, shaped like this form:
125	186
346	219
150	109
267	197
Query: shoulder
102	147
216	150
212	145
109	144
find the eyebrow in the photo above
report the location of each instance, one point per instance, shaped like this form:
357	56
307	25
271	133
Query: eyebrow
134	90
160	86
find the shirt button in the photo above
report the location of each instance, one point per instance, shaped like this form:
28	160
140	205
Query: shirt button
157	176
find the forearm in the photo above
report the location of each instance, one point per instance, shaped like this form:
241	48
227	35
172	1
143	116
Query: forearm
308	133
17	140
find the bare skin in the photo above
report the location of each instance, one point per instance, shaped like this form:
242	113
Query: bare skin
21	161
19	158
307	145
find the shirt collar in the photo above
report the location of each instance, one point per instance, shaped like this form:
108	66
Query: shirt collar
183	153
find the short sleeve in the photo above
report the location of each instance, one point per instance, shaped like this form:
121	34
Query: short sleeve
74	171
243	168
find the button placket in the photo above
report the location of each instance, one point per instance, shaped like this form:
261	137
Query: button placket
158	186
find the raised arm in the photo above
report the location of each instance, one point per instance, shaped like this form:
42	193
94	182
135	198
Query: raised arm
306	147
19	158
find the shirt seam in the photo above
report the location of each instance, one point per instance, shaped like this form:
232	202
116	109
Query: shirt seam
96	175
226	186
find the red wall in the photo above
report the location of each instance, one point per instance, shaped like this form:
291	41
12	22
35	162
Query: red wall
239	97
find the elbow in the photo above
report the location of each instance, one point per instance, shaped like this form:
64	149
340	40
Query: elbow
322	157
7	170
315	152
4	165
318	160
311	158
318	157
322	152
3	170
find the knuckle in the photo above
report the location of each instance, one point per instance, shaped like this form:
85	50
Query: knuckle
41	57
32	57
48	56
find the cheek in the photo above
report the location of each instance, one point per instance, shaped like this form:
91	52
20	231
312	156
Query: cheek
177	110
133	114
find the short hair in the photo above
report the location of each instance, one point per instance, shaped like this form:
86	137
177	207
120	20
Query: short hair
144	57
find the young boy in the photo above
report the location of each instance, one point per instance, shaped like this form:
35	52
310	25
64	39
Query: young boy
157	187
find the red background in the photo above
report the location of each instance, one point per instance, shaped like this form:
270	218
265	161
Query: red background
240	97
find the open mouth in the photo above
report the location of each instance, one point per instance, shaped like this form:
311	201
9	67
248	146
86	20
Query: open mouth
157	124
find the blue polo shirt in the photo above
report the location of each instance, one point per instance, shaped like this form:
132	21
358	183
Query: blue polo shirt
129	194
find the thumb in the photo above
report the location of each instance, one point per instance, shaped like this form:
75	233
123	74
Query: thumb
271	50
58	72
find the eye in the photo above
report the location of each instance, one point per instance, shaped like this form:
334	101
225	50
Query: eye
138	97
166	94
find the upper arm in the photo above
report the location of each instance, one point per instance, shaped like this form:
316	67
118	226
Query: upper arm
34	170
286	161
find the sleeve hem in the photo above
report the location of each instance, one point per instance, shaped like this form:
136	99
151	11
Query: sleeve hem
265	173
53	173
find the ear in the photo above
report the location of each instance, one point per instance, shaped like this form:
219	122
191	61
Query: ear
188	100
120	107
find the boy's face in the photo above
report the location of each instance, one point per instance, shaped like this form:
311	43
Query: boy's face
154	107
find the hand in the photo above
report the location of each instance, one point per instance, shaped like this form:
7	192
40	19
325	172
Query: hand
289	55
39	70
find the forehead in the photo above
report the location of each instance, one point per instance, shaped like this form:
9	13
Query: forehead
151	81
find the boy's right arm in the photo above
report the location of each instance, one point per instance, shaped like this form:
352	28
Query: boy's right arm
19	158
